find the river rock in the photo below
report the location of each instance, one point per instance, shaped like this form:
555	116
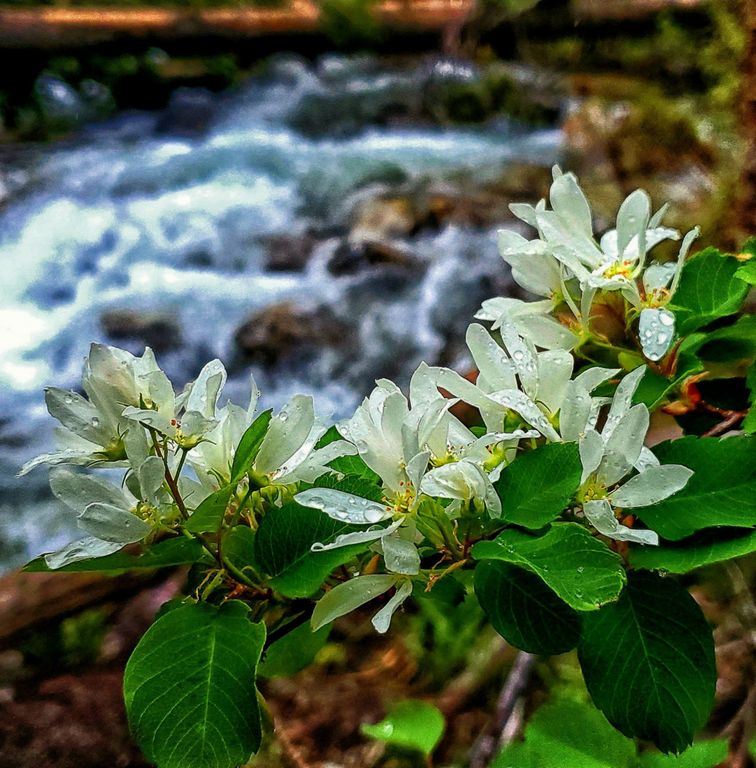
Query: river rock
288	253
283	329
380	219
153	329
350	258
189	112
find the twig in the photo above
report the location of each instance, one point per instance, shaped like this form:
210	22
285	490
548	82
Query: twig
498	735
729	421
740	729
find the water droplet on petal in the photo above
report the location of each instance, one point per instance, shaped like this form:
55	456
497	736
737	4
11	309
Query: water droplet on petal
374	515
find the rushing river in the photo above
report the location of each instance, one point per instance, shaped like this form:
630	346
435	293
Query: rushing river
171	215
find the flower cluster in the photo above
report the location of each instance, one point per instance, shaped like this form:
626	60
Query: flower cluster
178	450
567	266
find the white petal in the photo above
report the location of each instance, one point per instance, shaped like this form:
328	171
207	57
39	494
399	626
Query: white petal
382	620
571	205
401	555
622	449
111	523
78	458
656	219
286	434
344	506
76	490
522	355
657	276
416	467
525	212
574	413
600	515
632	221
151	474
76	414
358	537
528	410
646	459
656	329
651	486
152	419
84	549
534	268
623	398
554	371
591	453
316	463
490	359
592	377
203	396
545	332
349	595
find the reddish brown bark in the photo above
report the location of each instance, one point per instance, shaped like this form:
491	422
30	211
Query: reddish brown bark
50	27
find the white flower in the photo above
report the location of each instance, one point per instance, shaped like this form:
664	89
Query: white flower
398	443
656	326
94	431
105	512
611	455
462	481
532	319
287	452
512	378
184	419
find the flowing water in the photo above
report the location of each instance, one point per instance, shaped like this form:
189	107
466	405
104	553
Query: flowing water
171	214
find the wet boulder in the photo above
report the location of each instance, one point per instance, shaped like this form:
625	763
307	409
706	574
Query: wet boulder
351	258
282	330
288	253
153	329
189	112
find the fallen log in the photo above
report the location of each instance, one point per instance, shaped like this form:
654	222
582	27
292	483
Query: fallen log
72	26
32	600
624	10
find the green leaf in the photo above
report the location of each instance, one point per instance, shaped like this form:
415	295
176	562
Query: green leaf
702	549
703	754
568	734
293	652
249	446
357	486
208	517
189	687
331	435
524	611
708	290
350	595
731	343
747	272
176	551
238	548
648	662
749	423
410	724
653	388
354	466
535	489
283	548
582	570
721	492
